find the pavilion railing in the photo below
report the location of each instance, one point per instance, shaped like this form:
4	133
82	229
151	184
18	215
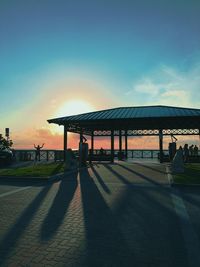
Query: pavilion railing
58	155
46	154
136	153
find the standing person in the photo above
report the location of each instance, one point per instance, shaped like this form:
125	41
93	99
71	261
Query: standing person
186	153
101	151
181	151
37	152
191	150
195	150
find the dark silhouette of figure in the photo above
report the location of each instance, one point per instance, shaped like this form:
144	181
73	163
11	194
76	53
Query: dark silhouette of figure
101	151
191	150
37	152
195	150
181	151
186	153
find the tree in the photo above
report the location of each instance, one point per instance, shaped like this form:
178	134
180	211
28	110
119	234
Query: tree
5	143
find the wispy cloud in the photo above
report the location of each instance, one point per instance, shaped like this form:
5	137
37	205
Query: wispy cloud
169	86
148	87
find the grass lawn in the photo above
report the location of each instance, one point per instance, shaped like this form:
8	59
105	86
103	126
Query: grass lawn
190	176
39	170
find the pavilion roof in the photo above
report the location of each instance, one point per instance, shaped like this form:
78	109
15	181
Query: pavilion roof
141	117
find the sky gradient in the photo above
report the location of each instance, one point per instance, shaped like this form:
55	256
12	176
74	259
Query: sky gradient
60	58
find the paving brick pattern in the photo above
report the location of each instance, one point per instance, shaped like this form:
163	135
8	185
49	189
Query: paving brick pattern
108	215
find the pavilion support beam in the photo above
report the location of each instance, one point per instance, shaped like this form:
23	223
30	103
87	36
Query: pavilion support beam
112	146
65	142
126	144
161	145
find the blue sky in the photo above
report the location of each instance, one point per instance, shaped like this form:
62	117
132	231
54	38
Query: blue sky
132	52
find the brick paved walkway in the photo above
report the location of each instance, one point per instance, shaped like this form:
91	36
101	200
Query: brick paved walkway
108	215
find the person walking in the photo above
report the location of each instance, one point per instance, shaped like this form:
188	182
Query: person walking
37	152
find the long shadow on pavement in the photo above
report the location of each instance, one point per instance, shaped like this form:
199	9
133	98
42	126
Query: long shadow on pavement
149	222
59	207
105	243
149	167
134	172
9	242
100	180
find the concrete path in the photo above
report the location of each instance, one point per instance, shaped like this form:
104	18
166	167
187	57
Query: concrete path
122	214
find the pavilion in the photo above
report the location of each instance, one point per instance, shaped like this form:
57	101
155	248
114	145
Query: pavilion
132	121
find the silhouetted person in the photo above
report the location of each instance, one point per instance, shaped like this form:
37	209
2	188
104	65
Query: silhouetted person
191	150
37	152
101	151
181	149
195	150
186	153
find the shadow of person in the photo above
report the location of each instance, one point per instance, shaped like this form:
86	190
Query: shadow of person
59	207
105	243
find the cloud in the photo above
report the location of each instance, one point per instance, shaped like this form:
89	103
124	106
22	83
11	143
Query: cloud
175	93
148	87
28	137
169	86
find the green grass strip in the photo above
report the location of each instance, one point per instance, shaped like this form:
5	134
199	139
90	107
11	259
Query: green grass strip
37	170
190	176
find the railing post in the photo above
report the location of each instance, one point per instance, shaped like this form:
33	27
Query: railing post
47	155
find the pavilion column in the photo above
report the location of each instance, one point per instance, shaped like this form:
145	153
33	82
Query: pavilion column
161	145
112	146
81	137
65	141
92	143
120	141
126	144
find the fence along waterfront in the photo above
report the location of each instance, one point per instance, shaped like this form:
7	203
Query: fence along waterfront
56	155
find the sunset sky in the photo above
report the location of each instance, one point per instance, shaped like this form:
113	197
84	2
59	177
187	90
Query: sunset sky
61	58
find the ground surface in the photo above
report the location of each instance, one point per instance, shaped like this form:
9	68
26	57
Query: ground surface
122	214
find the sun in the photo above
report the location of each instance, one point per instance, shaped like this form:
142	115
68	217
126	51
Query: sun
73	107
